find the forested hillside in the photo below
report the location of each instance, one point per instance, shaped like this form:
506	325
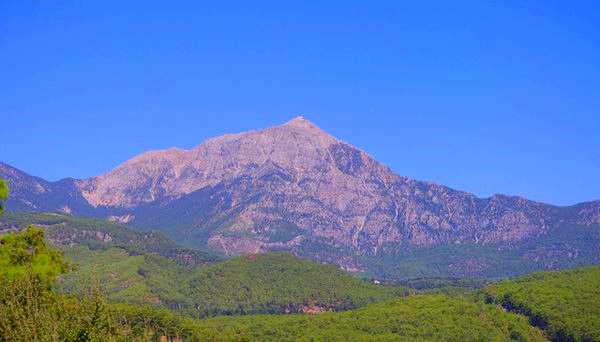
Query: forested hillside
271	283
30	310
417	318
280	283
142	278
67	231
569	246
566	304
147	268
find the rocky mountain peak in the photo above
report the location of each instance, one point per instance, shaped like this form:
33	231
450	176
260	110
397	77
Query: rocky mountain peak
300	122
297	146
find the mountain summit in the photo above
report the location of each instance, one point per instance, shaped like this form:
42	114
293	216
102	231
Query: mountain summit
298	146
292	187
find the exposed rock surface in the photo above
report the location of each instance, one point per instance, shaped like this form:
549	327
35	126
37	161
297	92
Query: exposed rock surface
291	187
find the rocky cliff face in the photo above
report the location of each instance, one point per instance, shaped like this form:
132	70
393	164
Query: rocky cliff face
291	187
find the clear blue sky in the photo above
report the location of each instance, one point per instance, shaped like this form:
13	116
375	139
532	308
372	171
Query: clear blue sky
487	97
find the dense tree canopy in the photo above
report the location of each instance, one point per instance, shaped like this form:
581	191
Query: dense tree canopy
269	283
31	311
416	318
566	304
3	194
280	283
27	253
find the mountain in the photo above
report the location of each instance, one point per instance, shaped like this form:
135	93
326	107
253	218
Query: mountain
296	188
29	193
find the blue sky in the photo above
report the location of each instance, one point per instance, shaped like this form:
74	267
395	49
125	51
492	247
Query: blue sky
487	97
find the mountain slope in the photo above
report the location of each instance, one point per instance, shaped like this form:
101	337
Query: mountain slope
269	283
29	193
68	231
566	304
280	283
123	277
146	268
293	188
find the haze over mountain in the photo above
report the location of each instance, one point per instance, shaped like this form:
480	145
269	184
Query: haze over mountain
295	188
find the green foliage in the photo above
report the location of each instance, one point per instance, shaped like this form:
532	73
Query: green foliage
566	304
3	194
452	260
283	231
418	318
145	268
269	283
276	283
31	311
27	253
122	277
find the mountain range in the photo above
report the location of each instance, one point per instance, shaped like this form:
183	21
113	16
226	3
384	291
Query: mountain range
296	188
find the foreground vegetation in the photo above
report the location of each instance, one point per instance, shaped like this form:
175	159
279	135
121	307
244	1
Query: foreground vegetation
566	304
31	311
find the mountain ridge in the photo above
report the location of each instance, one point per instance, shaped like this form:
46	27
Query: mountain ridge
291	187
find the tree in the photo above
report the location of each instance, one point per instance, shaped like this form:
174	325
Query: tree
27	254
3	194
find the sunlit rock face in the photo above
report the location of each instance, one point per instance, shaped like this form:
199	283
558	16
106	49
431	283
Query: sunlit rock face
292	187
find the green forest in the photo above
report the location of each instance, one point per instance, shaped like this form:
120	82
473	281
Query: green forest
566	304
267	283
145	268
75	279
31	310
